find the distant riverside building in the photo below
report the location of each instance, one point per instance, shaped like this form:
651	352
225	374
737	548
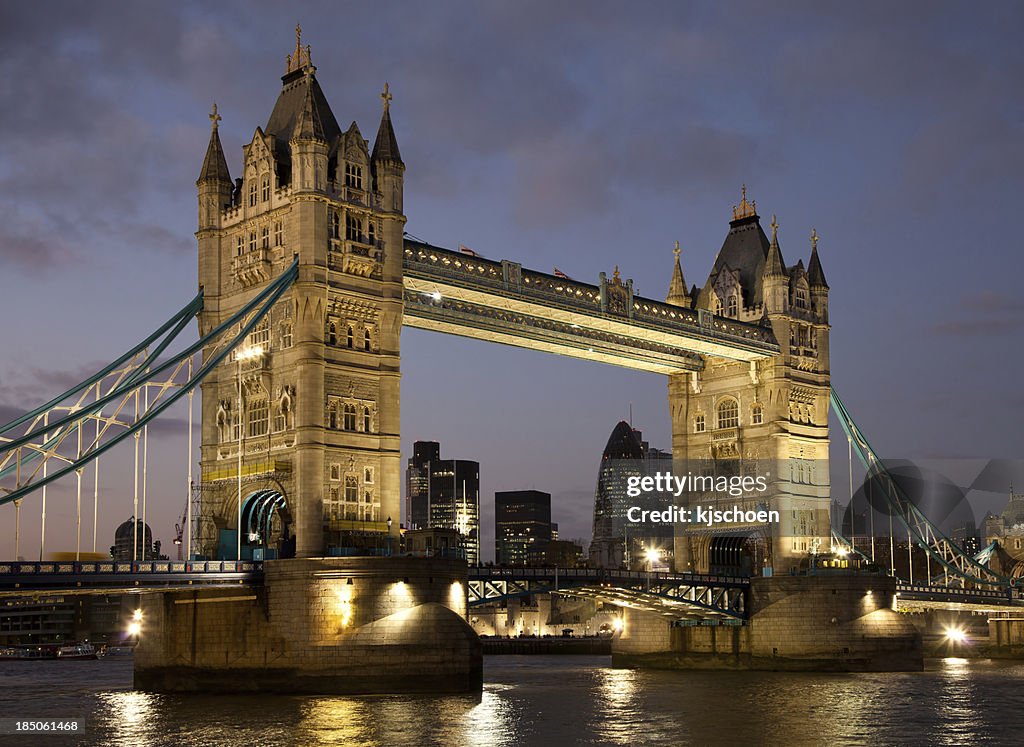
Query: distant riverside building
562	553
444	494
146	549
99	619
617	542
522	526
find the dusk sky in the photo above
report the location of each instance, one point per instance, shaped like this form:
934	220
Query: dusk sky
581	135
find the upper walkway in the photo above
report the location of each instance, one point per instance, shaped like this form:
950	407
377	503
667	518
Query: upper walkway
468	295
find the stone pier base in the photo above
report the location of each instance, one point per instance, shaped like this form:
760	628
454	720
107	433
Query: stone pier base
317	625
799	623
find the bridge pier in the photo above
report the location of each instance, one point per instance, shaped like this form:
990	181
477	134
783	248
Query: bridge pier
316	625
798	623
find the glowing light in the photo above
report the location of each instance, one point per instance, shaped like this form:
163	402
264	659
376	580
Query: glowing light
617	624
137	615
134	628
247	354
343	596
435	296
955	635
842	552
652	555
456	598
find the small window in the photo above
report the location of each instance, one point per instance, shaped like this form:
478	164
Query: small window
350	337
259	418
366	419
336	472
335	226
239	245
698	424
279	234
265	189
368	475
332	417
368	498
351	489
286	334
756	415
718	306
371	232
252	241
353	176
353	229
728	414
732	305
366	339
350	418
801	298
265	237
332	333
252	194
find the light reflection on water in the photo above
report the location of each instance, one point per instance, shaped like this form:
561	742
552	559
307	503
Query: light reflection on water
557	700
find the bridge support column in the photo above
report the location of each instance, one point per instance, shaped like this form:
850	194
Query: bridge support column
839	623
324	625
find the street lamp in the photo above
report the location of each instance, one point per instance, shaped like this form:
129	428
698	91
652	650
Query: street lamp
243	354
389	536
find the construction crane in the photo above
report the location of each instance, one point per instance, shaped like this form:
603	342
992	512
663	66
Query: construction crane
179	529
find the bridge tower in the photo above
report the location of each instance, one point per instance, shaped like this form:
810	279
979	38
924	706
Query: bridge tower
316	415
768	417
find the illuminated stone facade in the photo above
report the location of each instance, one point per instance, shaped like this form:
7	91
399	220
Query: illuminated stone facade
318	415
768	416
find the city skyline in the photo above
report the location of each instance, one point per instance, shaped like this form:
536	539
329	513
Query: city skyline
599	166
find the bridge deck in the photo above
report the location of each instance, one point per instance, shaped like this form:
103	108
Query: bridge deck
19	579
471	296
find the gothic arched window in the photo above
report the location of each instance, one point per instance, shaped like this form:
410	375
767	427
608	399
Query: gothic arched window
366	419
332	333
350	337
366	339
350	418
731	307
756	414
728	414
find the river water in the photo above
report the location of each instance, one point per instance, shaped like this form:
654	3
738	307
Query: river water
542	700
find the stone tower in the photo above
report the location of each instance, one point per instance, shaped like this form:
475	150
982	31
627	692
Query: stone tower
317	417
768	417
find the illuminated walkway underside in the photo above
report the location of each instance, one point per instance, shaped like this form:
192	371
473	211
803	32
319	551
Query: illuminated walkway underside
460	294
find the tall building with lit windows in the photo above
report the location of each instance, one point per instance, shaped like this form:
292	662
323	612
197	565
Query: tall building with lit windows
618	542
307	412
444	494
522	526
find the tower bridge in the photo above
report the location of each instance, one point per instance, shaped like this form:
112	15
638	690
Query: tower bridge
306	278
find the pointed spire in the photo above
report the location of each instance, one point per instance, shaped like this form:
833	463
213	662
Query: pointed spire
308	126
677	288
385	147
745	209
215	166
773	264
815	275
300	58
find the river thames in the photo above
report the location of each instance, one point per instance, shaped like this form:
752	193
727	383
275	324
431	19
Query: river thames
542	700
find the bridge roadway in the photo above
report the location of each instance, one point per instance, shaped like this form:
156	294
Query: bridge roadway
20	579
686	597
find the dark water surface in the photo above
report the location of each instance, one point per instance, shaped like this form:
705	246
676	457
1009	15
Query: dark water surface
542	700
